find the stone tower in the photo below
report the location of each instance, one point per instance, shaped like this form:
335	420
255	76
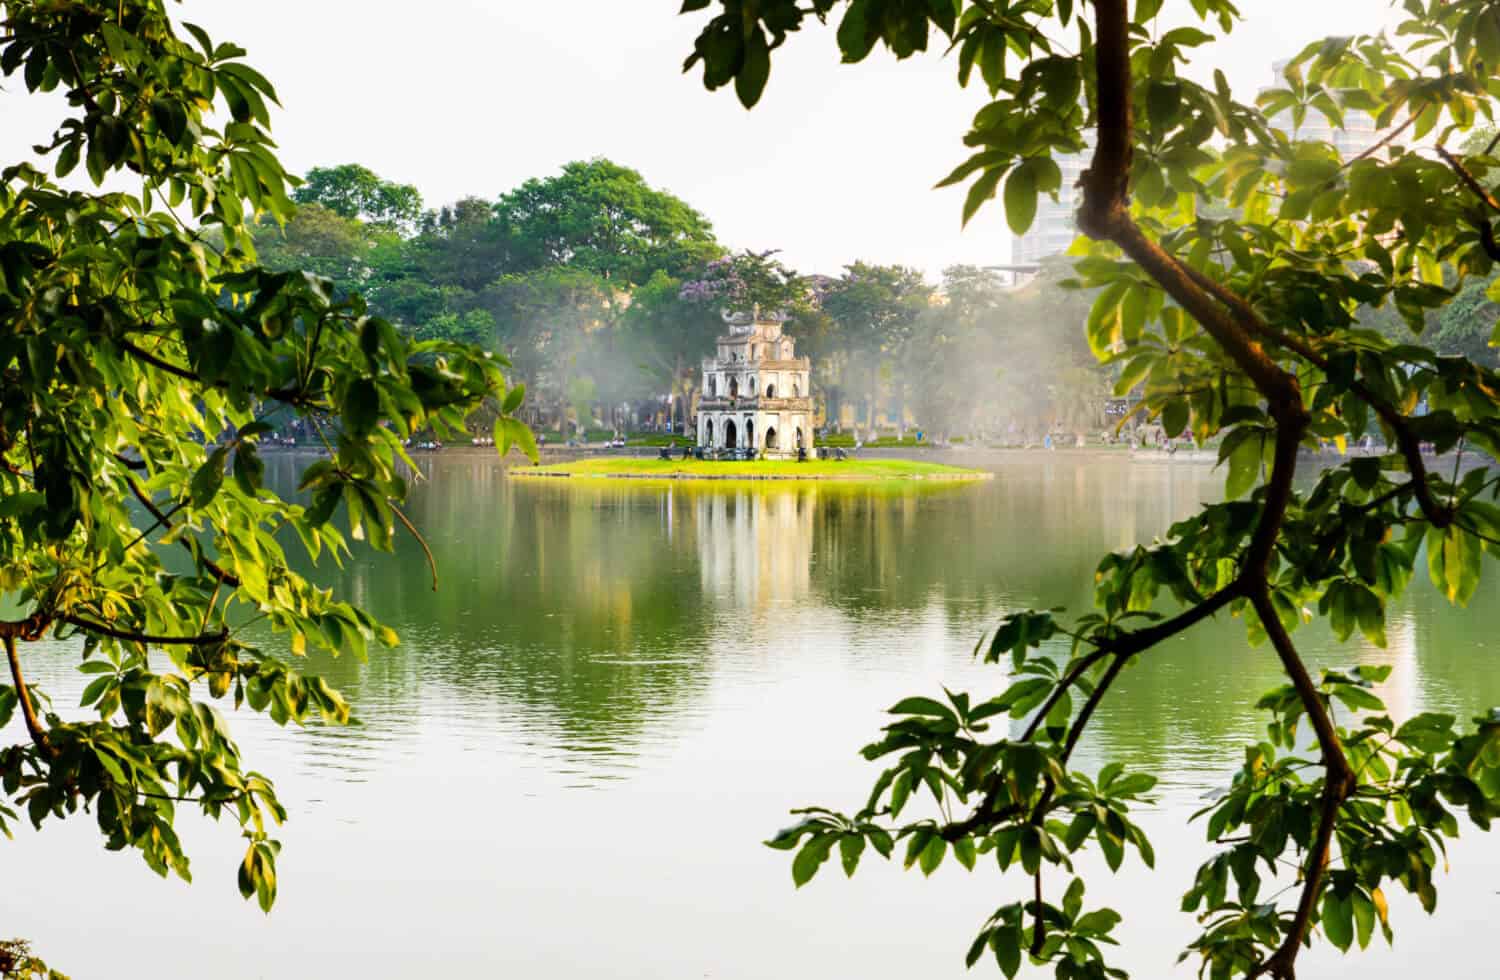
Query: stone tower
756	392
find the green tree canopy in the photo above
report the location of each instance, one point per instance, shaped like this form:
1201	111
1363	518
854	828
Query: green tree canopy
353	191
605	218
1229	262
319	241
144	353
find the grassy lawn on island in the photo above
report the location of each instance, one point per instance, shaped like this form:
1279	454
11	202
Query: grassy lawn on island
693	469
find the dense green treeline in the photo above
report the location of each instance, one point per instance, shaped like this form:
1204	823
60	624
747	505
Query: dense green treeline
605	294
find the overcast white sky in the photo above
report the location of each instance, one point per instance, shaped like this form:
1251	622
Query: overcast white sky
469	97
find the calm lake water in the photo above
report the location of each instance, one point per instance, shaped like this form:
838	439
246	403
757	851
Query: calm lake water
619	690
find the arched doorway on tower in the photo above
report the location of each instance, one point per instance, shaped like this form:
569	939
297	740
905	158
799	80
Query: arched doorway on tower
749	434
708	432
771	438
734	387
729	433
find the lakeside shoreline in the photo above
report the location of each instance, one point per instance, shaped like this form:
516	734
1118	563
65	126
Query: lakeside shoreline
960	455
869	470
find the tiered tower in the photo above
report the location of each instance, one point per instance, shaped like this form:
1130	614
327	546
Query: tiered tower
756	392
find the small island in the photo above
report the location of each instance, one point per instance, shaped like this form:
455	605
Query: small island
754	423
871	470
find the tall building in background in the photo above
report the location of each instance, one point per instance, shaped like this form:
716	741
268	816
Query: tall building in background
1054	228
1356	136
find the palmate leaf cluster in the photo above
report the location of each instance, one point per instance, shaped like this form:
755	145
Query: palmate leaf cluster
1230	261
144	356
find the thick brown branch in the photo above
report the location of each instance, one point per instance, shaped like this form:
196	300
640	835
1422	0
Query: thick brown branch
1407	442
1122	647
30	628
1062	688
1106	182
1468	179
1105	211
1087	712
1481	224
1487	239
1105	215
23	696
1138	641
1338	784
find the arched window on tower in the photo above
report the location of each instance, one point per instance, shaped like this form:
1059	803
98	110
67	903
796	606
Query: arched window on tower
770	391
734	387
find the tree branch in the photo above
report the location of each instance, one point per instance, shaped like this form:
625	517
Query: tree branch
1407	442
1467	178
1105	215
23	696
213	567
1338	783
431	561
291	396
89	626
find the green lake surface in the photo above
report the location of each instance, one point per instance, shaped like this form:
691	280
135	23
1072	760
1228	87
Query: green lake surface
619	691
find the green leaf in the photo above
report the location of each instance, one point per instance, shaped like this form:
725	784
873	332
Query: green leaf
513	432
1007	946
1337	920
787	838
1364	917
755	68
361	408
1453	562
921	706
1174	417
1073	898
855	39
1020	197
850	848
1163	103
982	190
249	468
8	702
1100	922
964	852
932	854
206	481
513	399
1244	467
810	858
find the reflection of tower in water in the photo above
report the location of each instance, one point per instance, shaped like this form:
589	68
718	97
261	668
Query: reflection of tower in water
755	546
